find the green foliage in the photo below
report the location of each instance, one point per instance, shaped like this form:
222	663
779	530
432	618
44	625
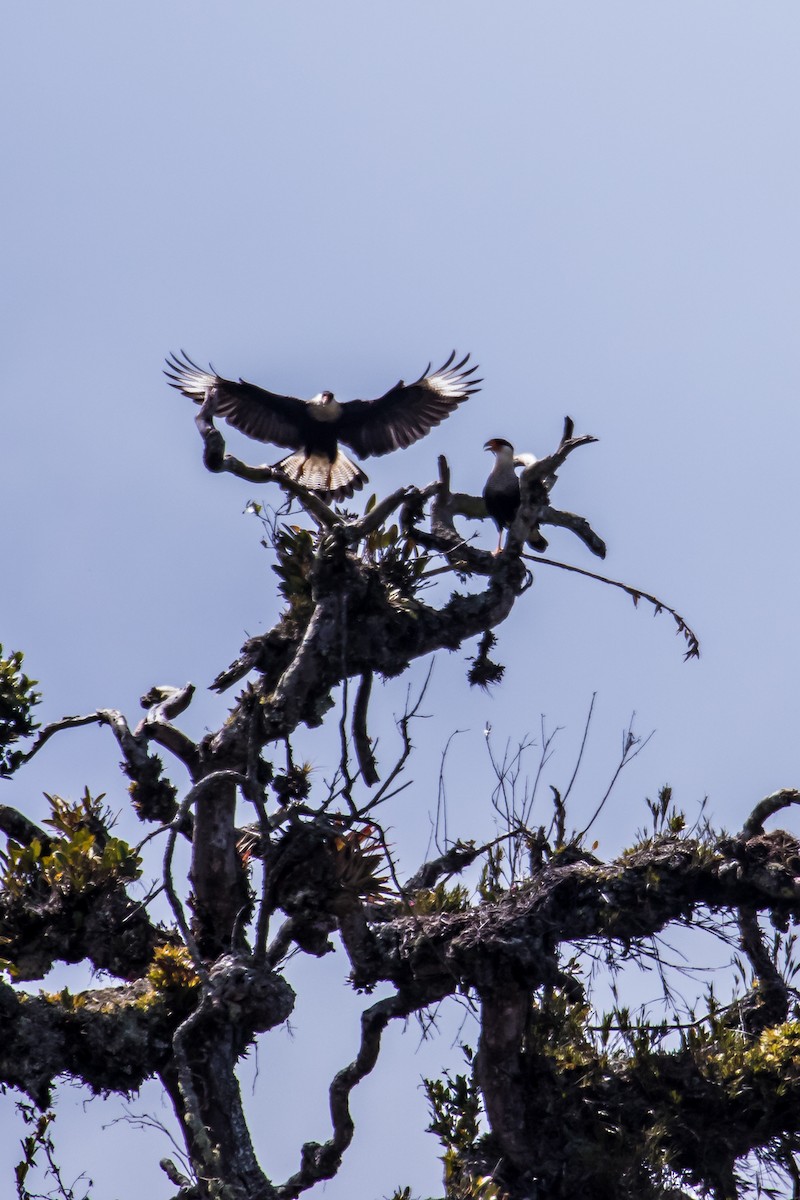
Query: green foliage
66	1000
623	1107
665	819
17	700
455	1105
172	969
79	856
557	1031
31	1144
455	1109
668	824
490	885
295	550
441	899
358	855
741	1064
40	1140
402	565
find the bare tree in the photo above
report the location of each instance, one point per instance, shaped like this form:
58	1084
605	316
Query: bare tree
558	1098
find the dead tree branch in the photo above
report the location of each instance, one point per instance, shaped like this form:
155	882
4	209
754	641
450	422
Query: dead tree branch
320	1162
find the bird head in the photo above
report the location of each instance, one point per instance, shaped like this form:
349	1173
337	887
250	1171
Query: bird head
325	407
500	447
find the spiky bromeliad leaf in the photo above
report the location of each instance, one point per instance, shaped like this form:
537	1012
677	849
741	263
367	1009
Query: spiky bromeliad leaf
295	550
17	700
358	855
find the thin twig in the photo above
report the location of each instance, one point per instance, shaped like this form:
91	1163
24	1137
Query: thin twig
384	793
94	718
320	1162
632	746
565	797
440	826
636	595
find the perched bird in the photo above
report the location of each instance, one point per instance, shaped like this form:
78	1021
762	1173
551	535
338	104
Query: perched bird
501	492
314	428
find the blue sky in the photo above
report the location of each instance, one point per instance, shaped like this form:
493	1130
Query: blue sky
599	201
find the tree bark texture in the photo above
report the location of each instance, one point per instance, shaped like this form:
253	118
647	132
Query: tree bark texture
189	999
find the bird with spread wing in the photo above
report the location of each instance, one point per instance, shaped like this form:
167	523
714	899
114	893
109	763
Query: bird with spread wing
314	428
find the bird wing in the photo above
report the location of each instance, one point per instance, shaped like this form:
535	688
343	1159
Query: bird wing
260	414
408	411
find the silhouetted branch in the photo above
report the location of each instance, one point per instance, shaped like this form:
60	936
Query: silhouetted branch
376	516
767	1002
43	737
452	862
19	828
767	808
361	741
577	525
636	595
216	460
535	483
404	725
632	747
320	1162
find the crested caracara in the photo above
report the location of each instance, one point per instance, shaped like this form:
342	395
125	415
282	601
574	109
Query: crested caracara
502	494
314	428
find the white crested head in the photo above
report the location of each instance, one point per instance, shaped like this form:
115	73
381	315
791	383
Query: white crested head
325	406
500	448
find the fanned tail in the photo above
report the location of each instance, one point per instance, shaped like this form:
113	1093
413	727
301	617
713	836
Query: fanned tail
336	480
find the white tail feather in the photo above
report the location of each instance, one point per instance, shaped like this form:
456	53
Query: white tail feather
335	480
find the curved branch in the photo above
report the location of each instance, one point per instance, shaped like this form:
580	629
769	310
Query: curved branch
383	639
767	1002
636	595
320	1162
377	515
361	742
43	737
217	461
163	705
767	808
577	525
19	828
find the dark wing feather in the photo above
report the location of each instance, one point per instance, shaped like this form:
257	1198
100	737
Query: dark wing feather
408	411
260	414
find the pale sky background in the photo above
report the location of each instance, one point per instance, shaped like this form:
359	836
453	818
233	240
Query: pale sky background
599	200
